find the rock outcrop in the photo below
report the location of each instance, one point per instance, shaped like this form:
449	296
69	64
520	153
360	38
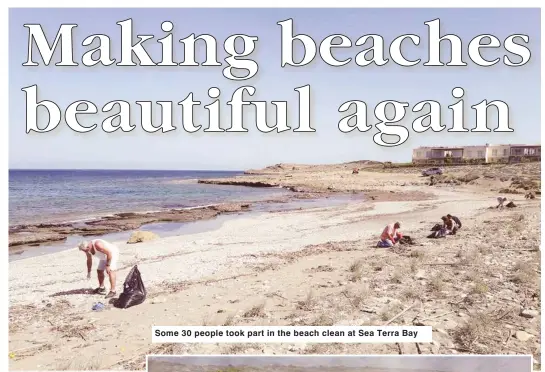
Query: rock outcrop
24	235
142	236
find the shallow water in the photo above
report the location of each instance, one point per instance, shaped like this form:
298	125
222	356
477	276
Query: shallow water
46	196
166	229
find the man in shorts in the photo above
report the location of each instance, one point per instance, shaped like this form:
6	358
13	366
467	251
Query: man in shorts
108	256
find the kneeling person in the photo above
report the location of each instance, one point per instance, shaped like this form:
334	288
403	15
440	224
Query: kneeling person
390	235
108	256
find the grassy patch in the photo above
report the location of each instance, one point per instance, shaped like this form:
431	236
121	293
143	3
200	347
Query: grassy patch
308	303
258	311
417	254
323	320
436	284
524	274
468	334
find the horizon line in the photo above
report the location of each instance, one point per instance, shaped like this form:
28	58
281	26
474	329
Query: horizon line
127	169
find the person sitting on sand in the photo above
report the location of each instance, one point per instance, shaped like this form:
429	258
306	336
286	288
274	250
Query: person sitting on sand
456	220
453	223
390	235
107	255
443	230
500	202
447	226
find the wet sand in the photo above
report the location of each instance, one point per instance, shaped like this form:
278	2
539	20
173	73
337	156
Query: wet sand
169	228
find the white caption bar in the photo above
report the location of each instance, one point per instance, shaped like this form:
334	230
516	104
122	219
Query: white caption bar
279	334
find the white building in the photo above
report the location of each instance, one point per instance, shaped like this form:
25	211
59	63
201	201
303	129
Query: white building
476	154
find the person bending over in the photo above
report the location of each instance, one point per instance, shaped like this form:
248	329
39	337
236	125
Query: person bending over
108	256
390	235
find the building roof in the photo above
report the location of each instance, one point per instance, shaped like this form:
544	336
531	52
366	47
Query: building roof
474	146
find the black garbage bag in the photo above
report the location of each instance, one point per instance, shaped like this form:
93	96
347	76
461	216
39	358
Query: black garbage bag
406	239
437	227
134	292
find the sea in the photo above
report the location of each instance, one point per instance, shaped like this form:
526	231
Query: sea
52	196
72	196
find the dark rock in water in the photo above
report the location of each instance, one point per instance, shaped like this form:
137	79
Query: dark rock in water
24	235
229	207
55	225
238	183
510	205
129	214
94	231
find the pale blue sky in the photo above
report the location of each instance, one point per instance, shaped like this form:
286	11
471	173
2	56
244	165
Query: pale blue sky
330	87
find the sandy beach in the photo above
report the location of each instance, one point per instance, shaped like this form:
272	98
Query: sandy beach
479	289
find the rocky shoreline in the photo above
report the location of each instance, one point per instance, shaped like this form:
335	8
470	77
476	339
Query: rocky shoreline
33	235
36	234
262	184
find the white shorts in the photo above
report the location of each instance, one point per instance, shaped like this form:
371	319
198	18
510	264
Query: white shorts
113	262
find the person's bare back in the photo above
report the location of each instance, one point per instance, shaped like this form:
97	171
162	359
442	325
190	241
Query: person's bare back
107	255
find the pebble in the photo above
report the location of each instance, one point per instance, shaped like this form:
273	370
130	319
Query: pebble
442	331
523	336
295	349
527	313
420	274
450	324
268	351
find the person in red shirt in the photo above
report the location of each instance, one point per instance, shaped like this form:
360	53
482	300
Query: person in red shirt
390	235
